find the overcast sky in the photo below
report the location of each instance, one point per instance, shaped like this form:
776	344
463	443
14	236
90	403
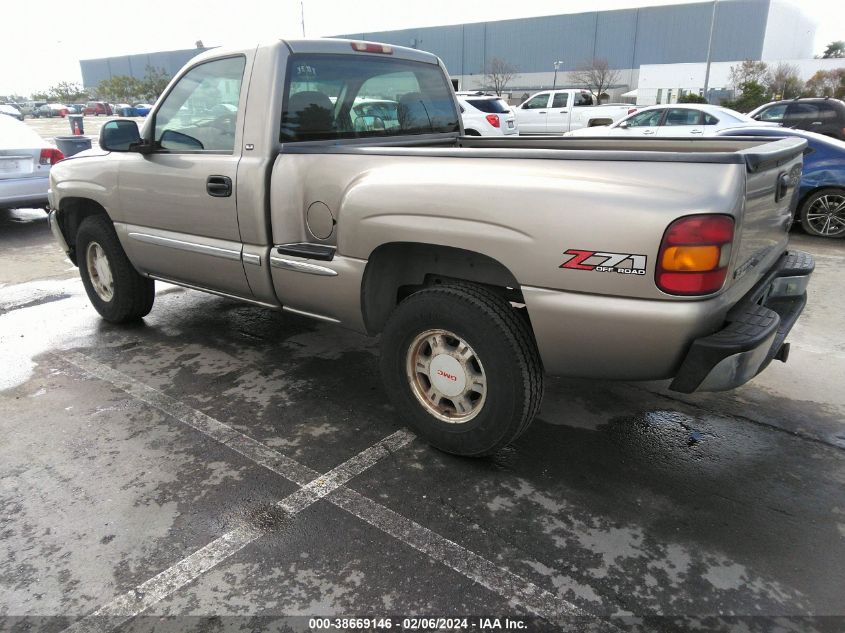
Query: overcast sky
41	42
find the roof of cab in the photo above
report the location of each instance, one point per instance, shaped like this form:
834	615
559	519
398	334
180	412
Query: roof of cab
324	46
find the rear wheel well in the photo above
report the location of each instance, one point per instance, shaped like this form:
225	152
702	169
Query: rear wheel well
397	270
807	195
72	212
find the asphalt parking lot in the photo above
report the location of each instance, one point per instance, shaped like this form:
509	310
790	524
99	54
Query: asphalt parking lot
227	462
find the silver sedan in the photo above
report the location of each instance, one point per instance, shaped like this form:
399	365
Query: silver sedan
25	162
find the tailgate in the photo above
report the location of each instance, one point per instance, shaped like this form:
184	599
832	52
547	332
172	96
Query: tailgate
773	172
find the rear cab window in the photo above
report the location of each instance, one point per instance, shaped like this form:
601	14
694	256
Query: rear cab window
330	97
490	106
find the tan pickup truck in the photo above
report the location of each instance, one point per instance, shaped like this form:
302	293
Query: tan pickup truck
482	263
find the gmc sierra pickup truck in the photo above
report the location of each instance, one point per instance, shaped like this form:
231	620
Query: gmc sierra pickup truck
561	111
481	262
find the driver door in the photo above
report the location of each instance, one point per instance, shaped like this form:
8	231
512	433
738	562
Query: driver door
178	210
533	113
641	124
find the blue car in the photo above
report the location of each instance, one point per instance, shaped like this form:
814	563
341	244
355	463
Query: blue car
143	109
821	202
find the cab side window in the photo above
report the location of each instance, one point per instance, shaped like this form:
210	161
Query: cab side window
560	100
774	114
201	112
682	116
536	102
645	119
583	99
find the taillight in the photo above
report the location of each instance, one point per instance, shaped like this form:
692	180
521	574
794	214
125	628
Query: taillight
694	255
50	156
369	47
493	119
631	110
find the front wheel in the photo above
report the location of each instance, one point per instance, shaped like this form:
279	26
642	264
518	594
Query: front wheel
461	366
823	213
114	287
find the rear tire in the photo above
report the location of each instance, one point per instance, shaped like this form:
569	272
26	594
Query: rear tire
114	287
461	367
823	213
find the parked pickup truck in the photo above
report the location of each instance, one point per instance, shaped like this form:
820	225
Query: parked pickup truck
481	262
561	111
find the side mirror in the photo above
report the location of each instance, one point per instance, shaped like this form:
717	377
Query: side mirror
623	125
119	135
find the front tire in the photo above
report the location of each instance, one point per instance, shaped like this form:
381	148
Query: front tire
114	287
461	366
823	213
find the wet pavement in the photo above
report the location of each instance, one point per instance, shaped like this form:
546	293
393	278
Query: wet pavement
242	466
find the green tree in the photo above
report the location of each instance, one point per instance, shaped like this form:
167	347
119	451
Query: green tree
784	82
121	88
753	94
691	97
834	49
39	96
66	92
154	83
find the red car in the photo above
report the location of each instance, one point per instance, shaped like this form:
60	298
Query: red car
97	108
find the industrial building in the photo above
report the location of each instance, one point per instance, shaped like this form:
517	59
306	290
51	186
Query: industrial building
659	52
96	70
630	39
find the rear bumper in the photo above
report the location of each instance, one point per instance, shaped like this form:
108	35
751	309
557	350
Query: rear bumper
754	331
23	192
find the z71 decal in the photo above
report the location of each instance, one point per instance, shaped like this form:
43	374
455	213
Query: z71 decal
622	263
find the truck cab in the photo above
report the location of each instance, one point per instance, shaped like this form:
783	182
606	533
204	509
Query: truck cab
560	111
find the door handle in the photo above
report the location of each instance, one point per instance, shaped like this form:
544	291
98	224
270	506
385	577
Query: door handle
563	111
648	131
219	186
695	132
541	112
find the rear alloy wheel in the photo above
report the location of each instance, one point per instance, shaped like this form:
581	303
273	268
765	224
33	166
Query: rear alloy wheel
446	376
461	368
823	213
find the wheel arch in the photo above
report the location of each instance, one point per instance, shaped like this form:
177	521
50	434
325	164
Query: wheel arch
396	270
72	211
810	192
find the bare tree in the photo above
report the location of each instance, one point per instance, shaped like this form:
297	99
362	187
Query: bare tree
497	75
827	83
784	82
748	71
596	76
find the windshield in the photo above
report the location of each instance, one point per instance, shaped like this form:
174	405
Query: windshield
351	96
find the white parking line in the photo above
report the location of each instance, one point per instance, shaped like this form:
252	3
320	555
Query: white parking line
157	588
314	487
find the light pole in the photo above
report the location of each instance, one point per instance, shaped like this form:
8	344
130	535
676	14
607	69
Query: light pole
709	53
558	64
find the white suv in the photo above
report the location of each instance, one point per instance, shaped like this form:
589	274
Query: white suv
487	116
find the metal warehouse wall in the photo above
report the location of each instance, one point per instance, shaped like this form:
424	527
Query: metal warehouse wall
627	38
95	70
